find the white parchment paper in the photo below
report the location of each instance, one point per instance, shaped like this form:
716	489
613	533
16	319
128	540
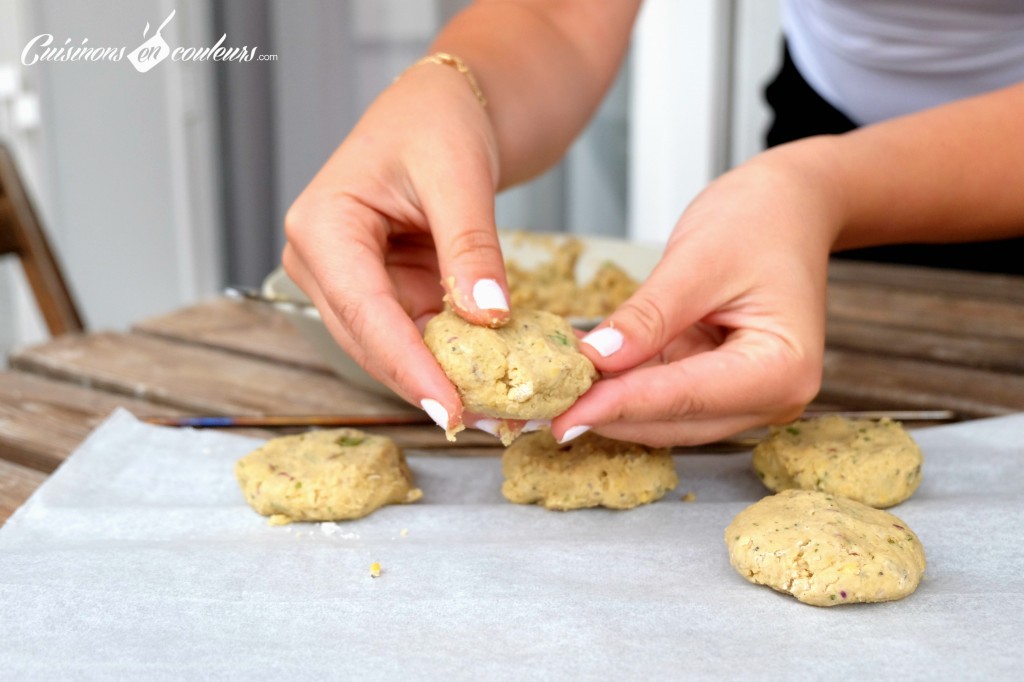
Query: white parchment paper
139	559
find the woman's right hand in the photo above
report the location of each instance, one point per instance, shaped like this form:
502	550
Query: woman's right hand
401	214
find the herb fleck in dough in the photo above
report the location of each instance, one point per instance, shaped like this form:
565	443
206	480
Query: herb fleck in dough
825	550
531	368
874	462
329	475
589	471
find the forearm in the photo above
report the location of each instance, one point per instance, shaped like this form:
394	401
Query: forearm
544	66
950	174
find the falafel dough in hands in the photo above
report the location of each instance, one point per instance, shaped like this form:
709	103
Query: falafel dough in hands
531	368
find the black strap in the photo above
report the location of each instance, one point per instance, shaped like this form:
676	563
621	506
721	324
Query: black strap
801	112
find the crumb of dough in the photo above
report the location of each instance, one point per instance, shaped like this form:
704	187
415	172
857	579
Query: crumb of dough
690	496
874	462
452	432
509	430
553	286
328	475
375	570
825	550
404	532
529	369
589	471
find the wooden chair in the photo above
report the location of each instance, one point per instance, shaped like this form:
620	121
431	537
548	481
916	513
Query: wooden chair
21	234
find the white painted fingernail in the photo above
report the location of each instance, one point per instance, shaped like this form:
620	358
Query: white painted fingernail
605	341
536	425
435	411
488	426
573	432
487	295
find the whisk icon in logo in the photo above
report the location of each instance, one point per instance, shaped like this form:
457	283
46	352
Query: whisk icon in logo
152	51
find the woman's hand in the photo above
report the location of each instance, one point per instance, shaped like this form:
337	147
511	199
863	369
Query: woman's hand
728	331
405	204
407	201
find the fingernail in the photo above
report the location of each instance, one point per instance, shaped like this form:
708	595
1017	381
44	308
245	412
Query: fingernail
435	411
573	432
605	341
536	425
487	295
488	426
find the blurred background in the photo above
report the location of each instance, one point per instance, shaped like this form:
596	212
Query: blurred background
159	188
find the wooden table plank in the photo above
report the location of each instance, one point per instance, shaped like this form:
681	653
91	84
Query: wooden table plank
243	327
871	382
196	379
958	349
17	483
890	277
43	420
927	311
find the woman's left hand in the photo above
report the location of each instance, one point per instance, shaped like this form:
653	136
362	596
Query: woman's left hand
727	333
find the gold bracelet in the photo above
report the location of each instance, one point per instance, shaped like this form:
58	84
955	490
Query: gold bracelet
445	59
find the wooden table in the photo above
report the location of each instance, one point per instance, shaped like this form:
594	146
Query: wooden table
898	338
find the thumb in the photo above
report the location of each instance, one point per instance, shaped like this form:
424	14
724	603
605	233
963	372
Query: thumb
468	252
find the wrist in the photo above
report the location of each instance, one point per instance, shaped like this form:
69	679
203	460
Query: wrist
452	61
438	88
433	104
811	169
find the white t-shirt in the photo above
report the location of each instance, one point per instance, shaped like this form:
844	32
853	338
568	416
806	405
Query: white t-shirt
876	59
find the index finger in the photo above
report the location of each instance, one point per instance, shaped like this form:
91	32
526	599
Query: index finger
361	309
468	252
751	379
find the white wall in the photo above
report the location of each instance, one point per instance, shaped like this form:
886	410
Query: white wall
20	321
698	72
337	56
677	121
125	160
757	55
